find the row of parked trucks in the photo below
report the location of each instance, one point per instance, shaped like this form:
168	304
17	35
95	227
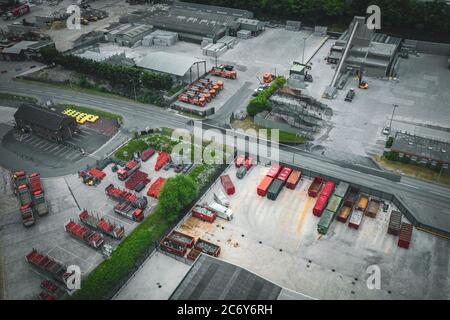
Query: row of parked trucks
178	243
276	178
201	92
129	205
31	196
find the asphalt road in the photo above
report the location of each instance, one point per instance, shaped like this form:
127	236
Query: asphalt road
430	203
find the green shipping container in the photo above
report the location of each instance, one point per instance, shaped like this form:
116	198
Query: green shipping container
341	189
325	221
334	203
275	189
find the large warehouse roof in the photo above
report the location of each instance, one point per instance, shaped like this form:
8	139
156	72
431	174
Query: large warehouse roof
213	279
167	62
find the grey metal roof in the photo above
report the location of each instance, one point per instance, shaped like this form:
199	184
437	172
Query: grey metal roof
213	279
422	147
18	47
167	62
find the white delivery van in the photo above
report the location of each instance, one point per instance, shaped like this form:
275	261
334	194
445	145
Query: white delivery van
222	211
221	198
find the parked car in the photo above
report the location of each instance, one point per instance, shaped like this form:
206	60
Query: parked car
350	95
167	166
386	131
178	168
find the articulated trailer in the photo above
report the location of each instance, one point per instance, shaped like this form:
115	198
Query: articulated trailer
27	215
48	266
40	205
128	170
113	230
122	196
79	232
128	210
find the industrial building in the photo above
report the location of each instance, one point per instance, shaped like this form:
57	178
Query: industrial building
195	7
23	50
178	66
128	34
422	150
44	123
373	53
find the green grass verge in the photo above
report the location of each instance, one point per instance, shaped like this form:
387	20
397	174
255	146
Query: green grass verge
154	140
17	97
94	111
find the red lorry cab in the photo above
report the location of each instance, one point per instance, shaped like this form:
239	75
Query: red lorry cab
273	171
264	186
239	161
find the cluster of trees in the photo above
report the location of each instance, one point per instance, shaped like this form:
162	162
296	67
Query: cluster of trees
396	16
124	76
261	102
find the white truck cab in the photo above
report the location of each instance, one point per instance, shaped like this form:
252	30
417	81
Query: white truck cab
222	211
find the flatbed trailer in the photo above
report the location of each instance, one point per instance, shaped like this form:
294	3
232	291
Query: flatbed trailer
48	266
79	232
27	215
35	182
137	177
207	247
128	210
122	196
39	203
113	230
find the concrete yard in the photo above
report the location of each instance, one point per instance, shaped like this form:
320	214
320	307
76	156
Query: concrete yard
67	196
278	240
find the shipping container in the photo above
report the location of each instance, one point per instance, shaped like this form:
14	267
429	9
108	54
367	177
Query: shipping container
352	197
314	188
275	189
395	222
264	186
405	235
328	189
274	170
181	237
320	205
362	202
204	214
356	219
342	189
373	208
334	203
325	222
293	179
344	213
207	247
227	184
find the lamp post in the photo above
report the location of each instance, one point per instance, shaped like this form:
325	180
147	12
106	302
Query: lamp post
303	55
392	117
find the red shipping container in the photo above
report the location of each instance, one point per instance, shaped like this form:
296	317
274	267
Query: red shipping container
35	181
153	190
293	179
227	184
328	189
284	174
320	205
264	186
204	214
404	239
273	171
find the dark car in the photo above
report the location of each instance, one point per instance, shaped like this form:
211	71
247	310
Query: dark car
186	168
139	187
167	166
178	168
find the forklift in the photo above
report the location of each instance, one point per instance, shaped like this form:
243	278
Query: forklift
361	84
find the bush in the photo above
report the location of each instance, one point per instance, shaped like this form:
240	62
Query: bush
389	142
177	193
261	102
391	156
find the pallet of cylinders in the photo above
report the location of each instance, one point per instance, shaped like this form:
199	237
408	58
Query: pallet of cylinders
229	41
244	34
293	25
164	38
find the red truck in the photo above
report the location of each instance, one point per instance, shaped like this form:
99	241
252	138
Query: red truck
128	210
284	174
274	170
147	154
27	215
293	179
204	214
122	195
39	203
227	184
48	266
264	185
24	195
101	224
173	246
128	170
224	72
315	186
35	182
163	158
155	188
79	232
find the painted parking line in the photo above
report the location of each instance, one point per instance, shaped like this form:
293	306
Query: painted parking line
77	139
32	140
63	150
29	138
54	148
39	143
46	146
71	155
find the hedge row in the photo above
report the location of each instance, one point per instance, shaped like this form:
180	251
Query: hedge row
261	102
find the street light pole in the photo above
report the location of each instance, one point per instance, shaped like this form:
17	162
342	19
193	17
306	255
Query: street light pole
392	117
303	56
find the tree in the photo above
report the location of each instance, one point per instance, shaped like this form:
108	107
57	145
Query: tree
176	194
